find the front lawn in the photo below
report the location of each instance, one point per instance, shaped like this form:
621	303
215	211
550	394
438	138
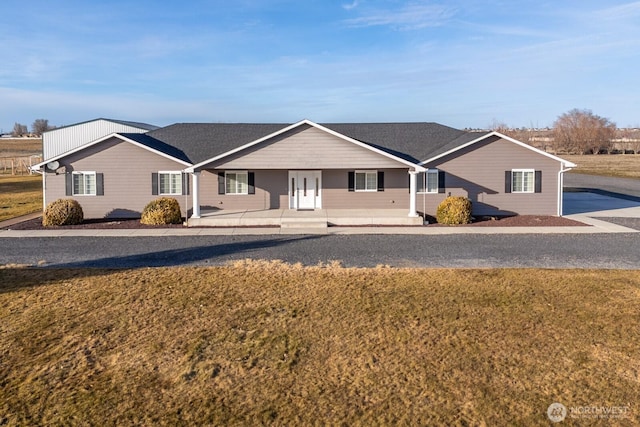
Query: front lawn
265	342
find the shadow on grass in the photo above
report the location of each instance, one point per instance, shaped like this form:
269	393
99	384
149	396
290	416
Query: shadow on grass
184	256
173	257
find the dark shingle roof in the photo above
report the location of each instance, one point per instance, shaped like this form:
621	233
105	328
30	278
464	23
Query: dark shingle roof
202	141
157	145
414	142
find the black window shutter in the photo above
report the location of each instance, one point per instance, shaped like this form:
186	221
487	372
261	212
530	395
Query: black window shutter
68	184
352	181
99	184
221	187
185	184
154	184
507	181
380	181
251	178
538	182
441	183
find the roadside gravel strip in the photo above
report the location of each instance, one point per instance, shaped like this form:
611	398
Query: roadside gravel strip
602	251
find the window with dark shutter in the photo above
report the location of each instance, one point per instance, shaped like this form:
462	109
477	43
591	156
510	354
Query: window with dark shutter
251	180
441	183
380	181
507	181
154	184
221	185
352	181
538	182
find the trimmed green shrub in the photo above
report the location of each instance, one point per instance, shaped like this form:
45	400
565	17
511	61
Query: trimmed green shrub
62	212
164	210
454	210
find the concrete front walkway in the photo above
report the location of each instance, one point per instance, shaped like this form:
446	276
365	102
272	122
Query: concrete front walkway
597	226
582	207
291	218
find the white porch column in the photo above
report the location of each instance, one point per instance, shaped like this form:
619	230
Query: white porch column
196	195
413	181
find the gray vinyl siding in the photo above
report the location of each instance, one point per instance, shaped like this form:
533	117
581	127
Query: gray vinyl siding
271	192
127	171
335	194
59	141
306	148
478	172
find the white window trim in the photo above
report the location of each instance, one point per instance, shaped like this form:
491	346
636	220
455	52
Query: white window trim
179	190
533	180
84	173
365	190
426	180
245	172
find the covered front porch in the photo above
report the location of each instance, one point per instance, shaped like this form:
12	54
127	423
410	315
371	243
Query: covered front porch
304	219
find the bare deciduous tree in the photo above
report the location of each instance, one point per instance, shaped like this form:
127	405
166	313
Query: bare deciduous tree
39	126
19	130
581	131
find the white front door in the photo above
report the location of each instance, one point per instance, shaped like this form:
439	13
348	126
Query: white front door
305	189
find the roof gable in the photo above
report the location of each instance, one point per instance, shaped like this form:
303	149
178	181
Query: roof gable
461	143
305	122
141	140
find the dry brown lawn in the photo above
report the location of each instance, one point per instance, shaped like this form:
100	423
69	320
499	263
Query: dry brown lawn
268	343
18	147
20	195
620	165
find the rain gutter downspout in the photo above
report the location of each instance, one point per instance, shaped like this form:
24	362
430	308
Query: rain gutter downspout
561	186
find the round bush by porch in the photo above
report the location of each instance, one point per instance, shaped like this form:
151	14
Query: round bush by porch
164	210
62	212
454	210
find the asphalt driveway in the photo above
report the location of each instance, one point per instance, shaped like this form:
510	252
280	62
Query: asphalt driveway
609	251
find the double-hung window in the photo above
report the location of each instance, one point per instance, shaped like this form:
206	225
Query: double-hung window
237	182
522	180
429	181
170	183
84	184
366	181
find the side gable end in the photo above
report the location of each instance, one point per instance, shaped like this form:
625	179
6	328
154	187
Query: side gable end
123	138
565	163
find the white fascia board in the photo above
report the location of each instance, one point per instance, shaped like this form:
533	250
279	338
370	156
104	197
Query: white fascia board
415	166
250	144
104	138
566	163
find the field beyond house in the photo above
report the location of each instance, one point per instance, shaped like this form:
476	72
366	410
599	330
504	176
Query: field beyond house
617	165
264	342
20	195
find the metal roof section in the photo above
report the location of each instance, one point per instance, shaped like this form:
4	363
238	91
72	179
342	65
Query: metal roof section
63	139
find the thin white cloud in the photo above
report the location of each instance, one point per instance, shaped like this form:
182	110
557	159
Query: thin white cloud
411	16
624	11
351	6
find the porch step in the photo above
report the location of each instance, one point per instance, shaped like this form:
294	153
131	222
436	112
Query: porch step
304	223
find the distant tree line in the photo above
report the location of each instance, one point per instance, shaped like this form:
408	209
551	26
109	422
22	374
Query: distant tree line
575	132
38	127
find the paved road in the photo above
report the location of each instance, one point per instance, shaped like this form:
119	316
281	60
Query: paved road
619	251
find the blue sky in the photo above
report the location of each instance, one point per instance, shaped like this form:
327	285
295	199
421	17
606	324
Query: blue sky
462	63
